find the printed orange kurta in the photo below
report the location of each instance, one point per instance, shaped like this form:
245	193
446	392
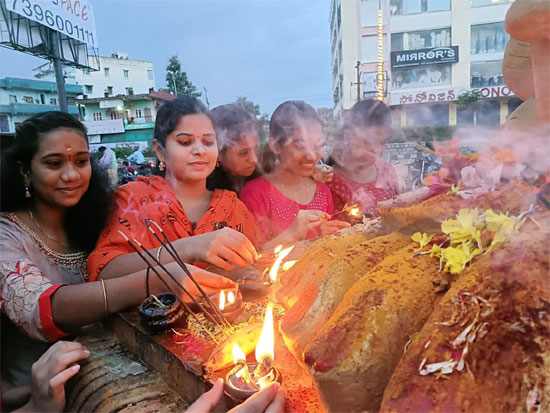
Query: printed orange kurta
152	198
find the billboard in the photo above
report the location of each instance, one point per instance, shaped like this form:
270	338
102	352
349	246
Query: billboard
73	18
424	57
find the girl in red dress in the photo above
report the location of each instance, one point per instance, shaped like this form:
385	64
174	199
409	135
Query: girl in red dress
361	177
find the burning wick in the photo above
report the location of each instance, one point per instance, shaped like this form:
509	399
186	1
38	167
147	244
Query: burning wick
266	346
240	383
352	210
288	265
230	299
281	255
239	358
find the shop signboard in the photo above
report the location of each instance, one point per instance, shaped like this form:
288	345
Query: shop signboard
424	57
446	95
104	127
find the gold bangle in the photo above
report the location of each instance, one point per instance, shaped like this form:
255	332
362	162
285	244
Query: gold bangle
158	252
106	309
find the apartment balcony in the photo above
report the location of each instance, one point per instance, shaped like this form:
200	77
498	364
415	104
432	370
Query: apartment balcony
32	108
146	122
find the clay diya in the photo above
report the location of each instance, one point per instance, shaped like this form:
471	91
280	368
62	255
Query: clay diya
161	311
230	303
245	379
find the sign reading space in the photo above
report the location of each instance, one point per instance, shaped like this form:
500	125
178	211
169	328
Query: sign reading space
73	18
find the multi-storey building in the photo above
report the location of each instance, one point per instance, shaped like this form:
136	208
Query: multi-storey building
122	120
22	98
434	51
118	75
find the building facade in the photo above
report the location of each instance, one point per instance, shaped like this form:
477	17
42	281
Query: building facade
434	52
22	98
118	75
122	120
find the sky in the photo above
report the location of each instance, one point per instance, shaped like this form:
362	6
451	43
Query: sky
266	50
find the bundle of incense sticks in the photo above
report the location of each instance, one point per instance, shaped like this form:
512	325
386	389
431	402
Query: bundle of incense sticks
213	313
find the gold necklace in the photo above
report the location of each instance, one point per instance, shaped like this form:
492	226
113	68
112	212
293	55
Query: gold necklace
47	234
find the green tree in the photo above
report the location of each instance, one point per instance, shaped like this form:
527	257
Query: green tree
262	120
177	81
472	101
249	105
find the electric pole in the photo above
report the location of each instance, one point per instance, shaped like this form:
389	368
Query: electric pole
358	68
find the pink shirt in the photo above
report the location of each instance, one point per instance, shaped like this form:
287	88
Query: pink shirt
367	196
274	212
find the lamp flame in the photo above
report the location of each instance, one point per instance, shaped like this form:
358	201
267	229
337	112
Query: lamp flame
355	212
230	297
221	305
239	358
266	344
289	264
280	257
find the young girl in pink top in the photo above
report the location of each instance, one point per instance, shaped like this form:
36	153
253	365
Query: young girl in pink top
360	176
287	203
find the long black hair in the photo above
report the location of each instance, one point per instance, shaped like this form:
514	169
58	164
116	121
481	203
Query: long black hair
169	116
231	121
82	222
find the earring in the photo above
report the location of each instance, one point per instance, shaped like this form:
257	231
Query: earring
162	166
27	193
277	161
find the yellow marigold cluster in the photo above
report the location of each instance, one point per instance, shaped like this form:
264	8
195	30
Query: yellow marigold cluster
470	234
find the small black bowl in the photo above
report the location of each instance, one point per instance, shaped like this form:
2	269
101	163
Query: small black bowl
158	318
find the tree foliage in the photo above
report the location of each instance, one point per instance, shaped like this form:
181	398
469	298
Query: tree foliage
177	81
248	105
470	97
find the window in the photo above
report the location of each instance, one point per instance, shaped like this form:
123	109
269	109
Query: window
114	115
428	115
89	89
53	101
86	71
369	48
109	90
424	76
484	74
486	113
369	13
423	39
98	116
150	74
106	70
130	91
4	123
126	73
28	99
139	113
488	38
13	99
42	99
418	6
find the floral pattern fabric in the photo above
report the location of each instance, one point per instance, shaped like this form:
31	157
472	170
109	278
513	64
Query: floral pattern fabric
28	278
152	198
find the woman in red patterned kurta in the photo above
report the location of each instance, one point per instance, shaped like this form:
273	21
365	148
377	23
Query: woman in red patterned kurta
361	177
204	226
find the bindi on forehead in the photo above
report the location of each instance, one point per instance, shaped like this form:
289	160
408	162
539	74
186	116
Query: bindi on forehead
69	150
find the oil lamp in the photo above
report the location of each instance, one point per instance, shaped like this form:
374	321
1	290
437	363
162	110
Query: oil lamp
245	379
